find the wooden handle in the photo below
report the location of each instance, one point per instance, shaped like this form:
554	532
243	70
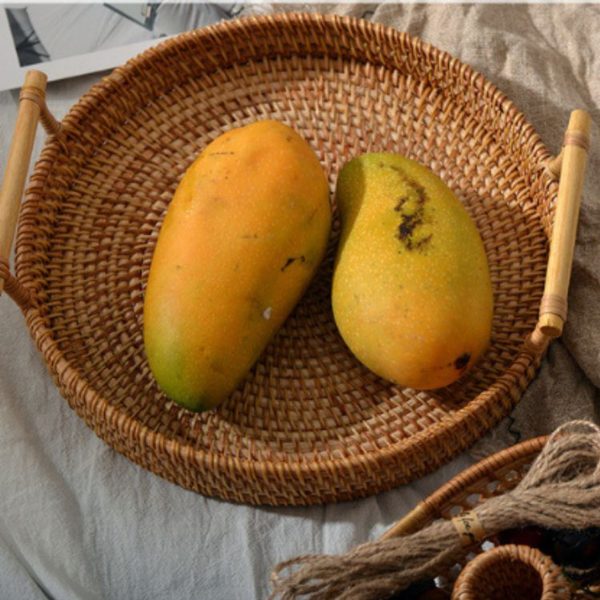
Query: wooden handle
32	99
553	308
415	520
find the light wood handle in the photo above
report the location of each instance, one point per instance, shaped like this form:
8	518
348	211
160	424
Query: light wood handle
415	520
32	99
553	308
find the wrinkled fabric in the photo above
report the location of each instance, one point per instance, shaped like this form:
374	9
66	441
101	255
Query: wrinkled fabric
79	521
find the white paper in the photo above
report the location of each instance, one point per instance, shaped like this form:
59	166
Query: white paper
66	40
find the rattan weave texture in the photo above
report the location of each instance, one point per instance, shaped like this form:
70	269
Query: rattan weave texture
511	573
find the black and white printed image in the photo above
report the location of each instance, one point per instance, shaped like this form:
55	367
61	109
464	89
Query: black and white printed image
66	40
46	32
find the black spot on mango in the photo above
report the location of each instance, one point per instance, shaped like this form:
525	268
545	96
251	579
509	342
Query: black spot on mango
291	260
462	361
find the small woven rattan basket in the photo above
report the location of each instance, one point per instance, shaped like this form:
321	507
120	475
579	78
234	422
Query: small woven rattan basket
509	572
309	424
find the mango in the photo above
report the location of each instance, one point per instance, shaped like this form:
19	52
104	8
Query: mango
411	294
242	238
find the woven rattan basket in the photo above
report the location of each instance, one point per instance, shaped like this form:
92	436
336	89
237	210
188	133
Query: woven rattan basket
511	573
309	424
508	572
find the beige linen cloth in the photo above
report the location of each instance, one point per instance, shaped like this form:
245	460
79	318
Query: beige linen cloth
79	521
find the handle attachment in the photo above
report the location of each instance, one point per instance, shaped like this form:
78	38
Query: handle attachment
571	164
32	108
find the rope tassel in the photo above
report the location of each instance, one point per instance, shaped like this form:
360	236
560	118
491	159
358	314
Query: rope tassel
560	491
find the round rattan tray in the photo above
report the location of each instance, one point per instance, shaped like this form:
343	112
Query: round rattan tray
309	424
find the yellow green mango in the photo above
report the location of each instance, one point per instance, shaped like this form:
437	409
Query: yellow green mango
412	295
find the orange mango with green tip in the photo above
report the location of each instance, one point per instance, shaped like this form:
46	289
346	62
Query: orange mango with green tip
241	240
412	294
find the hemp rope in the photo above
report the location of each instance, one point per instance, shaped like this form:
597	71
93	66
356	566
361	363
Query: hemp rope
560	491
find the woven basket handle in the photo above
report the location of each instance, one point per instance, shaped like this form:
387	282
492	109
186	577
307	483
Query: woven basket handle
570	164
32	107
